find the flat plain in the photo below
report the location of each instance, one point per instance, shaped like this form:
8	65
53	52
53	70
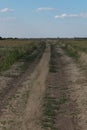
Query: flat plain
43	84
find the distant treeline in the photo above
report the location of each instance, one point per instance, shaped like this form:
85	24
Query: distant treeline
84	38
58	38
1	38
11	38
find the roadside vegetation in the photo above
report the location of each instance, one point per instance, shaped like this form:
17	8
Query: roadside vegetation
70	51
78	44
75	48
25	51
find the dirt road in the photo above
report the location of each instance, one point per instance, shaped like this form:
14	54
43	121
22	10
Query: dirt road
24	110
33	111
68	86
65	90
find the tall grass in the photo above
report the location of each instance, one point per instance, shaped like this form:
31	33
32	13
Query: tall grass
26	52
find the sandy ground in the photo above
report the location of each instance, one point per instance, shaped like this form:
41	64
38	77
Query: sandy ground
82	57
23	111
77	89
34	106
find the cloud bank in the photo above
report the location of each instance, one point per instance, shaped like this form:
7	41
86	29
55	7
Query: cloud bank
82	15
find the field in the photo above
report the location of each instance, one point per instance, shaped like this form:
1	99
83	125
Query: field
43	84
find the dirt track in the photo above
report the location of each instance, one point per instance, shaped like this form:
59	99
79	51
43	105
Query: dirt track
68	87
33	111
23	109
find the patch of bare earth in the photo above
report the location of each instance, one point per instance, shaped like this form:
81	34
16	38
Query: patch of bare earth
23	111
83	57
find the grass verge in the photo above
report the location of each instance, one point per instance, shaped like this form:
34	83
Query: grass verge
27	53
52	63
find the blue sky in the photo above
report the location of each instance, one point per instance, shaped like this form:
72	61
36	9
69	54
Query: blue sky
43	18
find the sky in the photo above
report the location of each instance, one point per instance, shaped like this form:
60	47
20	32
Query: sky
43	18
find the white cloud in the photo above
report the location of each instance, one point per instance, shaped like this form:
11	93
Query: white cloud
4	10
82	15
46	9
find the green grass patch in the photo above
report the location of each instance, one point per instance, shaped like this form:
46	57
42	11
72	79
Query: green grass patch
62	100
49	112
52	63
